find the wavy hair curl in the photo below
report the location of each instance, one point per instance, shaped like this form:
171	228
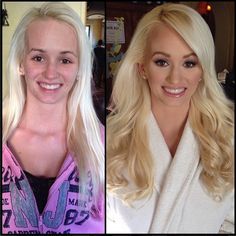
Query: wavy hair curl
210	113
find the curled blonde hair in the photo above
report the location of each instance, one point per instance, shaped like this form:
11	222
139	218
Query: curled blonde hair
210	113
83	128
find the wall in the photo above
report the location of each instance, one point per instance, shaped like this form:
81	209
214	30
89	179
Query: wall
224	33
15	11
96	30
224	41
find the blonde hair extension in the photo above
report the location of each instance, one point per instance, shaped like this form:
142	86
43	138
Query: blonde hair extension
129	160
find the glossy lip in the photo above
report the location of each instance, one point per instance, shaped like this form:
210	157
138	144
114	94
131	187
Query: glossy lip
172	94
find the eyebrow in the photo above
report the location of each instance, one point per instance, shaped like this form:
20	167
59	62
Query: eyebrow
44	51
168	55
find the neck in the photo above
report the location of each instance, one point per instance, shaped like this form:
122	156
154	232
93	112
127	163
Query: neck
170	119
44	118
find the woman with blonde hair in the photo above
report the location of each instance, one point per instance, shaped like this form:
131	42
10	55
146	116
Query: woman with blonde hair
53	155
170	131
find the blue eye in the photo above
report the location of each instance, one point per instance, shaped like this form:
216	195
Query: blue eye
190	64
161	63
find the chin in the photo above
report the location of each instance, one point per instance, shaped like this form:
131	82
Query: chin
51	100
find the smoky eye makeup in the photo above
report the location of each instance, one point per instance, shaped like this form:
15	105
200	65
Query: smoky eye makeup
190	62
161	62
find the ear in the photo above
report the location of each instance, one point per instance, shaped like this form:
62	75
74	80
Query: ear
141	70
21	69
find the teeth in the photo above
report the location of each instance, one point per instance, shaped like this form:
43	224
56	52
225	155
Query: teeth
49	86
175	90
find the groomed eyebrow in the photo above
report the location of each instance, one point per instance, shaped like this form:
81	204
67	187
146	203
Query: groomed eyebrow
190	54
44	51
168	55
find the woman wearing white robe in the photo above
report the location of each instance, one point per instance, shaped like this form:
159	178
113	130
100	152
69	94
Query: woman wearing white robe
170	132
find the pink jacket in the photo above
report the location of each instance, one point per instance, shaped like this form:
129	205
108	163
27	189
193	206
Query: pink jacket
65	212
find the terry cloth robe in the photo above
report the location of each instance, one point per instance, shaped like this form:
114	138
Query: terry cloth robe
65	211
178	204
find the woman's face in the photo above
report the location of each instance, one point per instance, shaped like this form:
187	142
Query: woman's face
171	68
51	62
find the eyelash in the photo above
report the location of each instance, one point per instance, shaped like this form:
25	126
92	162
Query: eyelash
37	58
164	63
40	59
67	61
161	62
193	63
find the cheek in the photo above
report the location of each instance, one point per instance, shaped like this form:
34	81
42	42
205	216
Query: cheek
31	71
69	75
154	74
195	78
193	83
154	83
156	78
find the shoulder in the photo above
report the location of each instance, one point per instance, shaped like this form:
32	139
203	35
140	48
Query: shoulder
5	151
9	162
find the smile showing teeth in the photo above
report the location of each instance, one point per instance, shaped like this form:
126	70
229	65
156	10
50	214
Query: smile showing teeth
174	90
49	86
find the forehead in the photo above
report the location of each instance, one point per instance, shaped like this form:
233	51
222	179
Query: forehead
163	37
51	33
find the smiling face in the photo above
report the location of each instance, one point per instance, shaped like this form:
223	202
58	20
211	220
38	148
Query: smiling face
171	68
51	62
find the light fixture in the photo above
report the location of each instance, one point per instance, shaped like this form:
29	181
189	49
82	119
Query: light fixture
208	7
204	8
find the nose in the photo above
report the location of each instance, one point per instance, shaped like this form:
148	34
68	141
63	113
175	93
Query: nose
51	70
174	75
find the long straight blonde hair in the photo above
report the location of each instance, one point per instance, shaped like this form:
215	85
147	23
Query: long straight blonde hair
211	113
83	130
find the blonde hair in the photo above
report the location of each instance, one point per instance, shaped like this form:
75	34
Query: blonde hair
210	114
83	129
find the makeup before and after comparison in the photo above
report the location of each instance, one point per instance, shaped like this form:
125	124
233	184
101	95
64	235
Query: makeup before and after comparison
118	117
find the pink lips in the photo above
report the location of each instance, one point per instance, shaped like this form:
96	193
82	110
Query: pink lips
174	92
49	87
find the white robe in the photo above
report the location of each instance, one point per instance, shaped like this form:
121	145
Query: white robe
178	204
